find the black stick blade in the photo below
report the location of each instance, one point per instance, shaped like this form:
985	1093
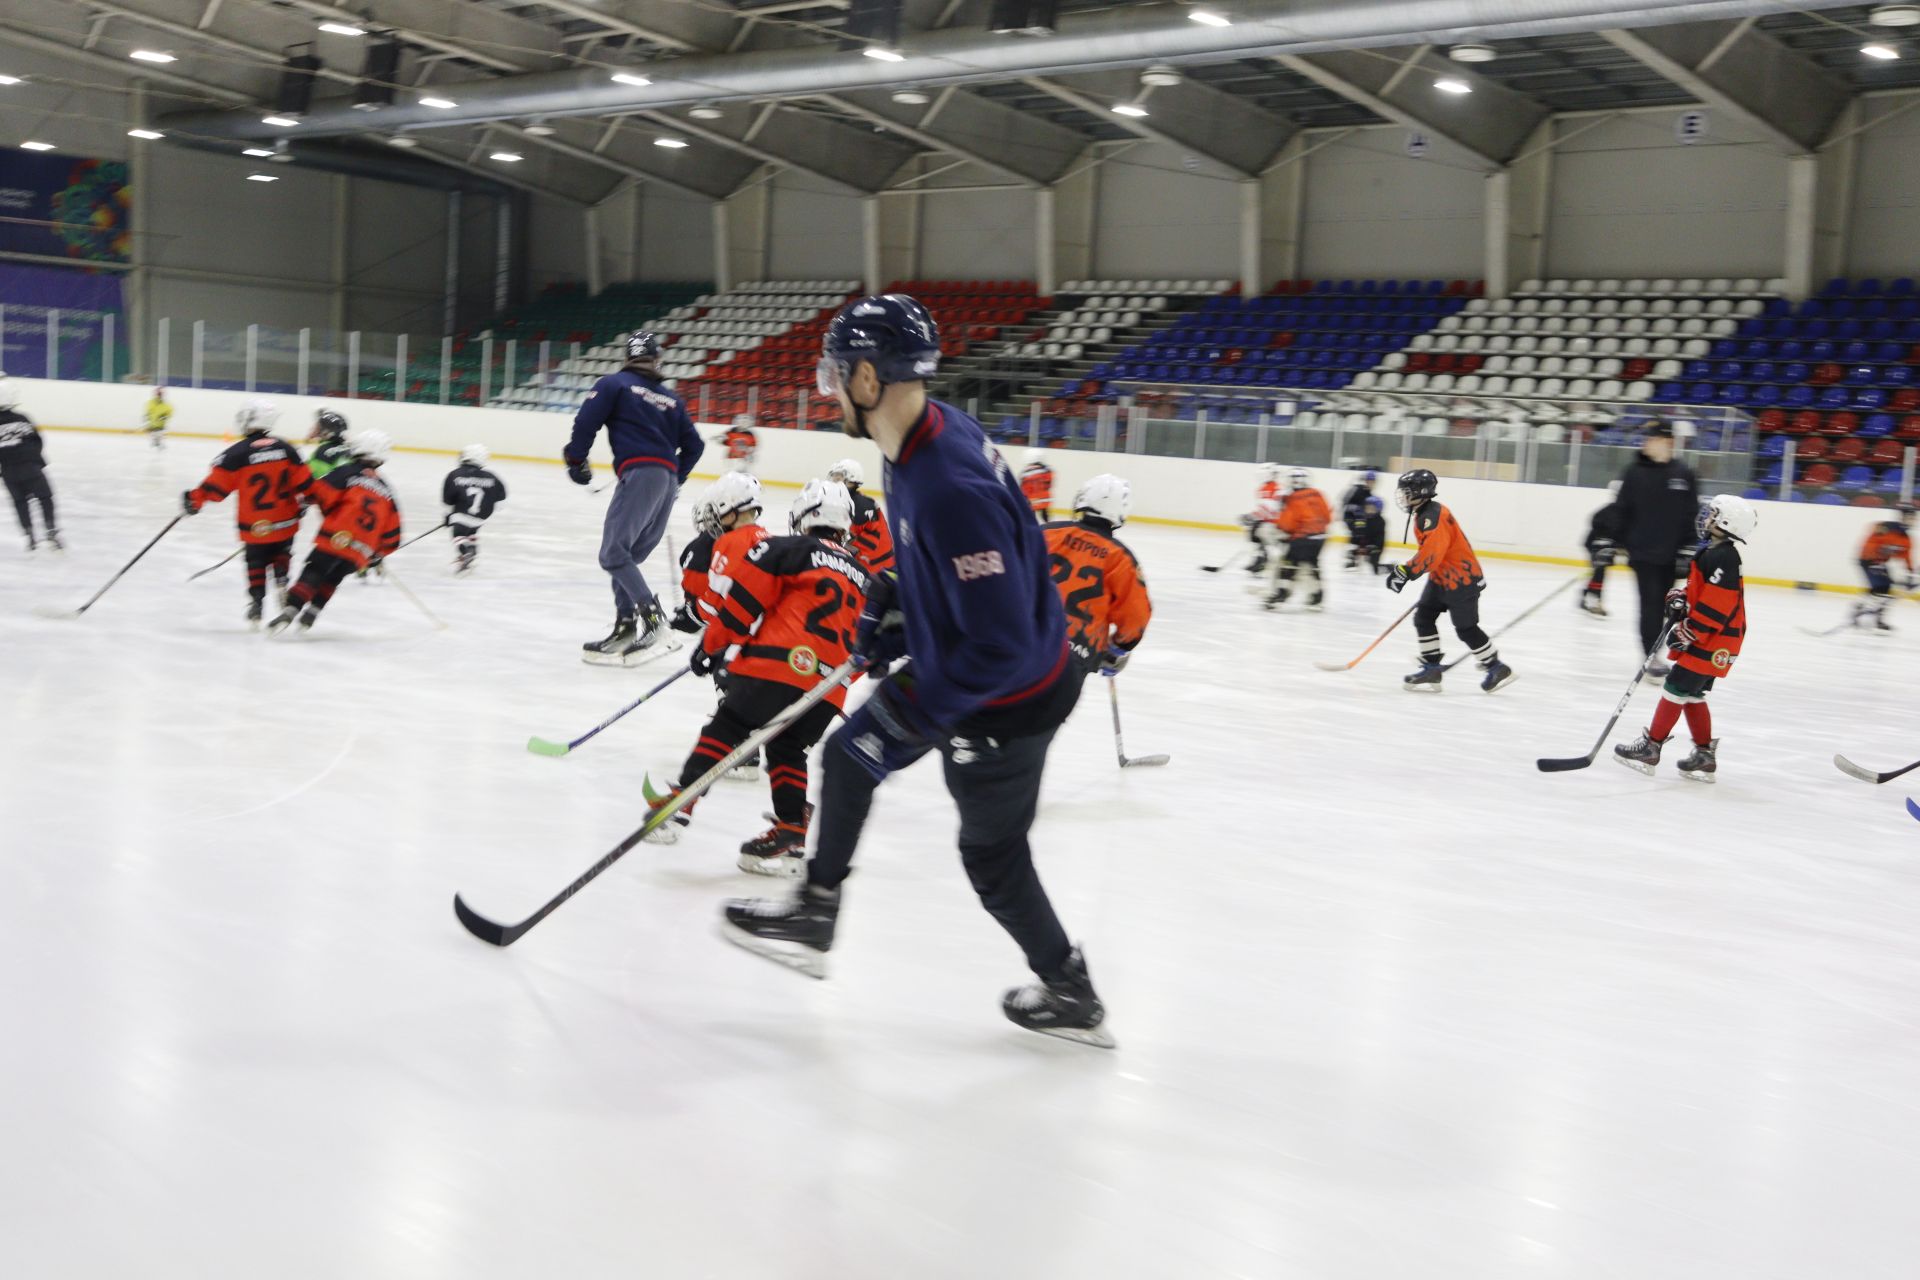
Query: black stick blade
1564	766
498	935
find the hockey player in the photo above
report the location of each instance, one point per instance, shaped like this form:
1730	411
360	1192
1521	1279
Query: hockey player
1368	533
1454	584
1302	526
1659	498
726	519
990	680
740	442
1100	583
271	485
360	526
872	540
156	413
1036	482
329	435
1709	619
471	492
1259	521
1603	541
1353	510
655	448
1888	541
787	617
23	466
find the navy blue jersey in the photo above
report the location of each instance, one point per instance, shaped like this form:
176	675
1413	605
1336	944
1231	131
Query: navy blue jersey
20	452
984	624
472	493
647	425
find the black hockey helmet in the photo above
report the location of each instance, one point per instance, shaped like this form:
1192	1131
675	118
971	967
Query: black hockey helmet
642	344
890	331
1416	487
329	425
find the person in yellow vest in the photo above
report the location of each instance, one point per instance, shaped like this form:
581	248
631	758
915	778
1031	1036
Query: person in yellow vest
158	411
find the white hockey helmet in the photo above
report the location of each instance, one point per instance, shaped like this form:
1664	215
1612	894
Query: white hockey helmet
1732	516
848	472
475	455
9	394
1034	460
1269	471
369	444
743	421
1298	479
256	415
823	504
1105	497
733	492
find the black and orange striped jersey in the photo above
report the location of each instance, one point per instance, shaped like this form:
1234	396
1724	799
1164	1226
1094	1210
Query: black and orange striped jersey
1101	588
870	537
793	605
1886	541
729	548
740	442
1304	514
696	561
1036	481
1443	549
361	517
1716	610
270	480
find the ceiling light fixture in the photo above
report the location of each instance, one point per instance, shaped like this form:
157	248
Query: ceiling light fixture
912	97
672	144
151	55
539	129
880	53
279	122
1448	84
507	157
439	104
1208	18
1472	53
36	146
1133	109
1160	76
706	113
343	29
258	153
633	78
148	134
403	142
1880	52
9	80
1895	15
262	177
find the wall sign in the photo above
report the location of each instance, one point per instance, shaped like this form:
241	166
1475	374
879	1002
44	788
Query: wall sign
1689	127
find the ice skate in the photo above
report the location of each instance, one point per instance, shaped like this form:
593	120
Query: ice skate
667	832
254	609
53	540
1591	605
1656	671
32	545
612	650
1258	564
1066	1007
282	620
1498	676
796	931
781	850
1276	598
1425	680
1316	602
1700	763
1643	754
747	770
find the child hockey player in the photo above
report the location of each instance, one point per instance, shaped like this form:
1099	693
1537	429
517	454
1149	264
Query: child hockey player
1603	536
360	525
741	444
23	466
787	617
1369	533
1888	541
1353	511
1454	584
271	485
1099	581
1302	526
727	512
871	539
471	492
330	435
1709	622
1036	482
1259	521
157	412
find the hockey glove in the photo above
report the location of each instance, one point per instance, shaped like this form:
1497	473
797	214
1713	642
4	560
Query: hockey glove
887	731
187	504
685	619
1114	661
580	472
705	661
1677	604
1398	578
1683	636
881	637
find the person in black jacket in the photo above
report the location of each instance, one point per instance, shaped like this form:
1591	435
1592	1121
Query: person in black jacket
654	451
23	465
1603	543
1659	502
471	492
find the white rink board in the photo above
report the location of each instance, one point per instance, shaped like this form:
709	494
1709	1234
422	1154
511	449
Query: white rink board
1390	1003
1797	543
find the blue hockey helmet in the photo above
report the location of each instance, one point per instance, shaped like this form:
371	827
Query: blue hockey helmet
642	344
890	331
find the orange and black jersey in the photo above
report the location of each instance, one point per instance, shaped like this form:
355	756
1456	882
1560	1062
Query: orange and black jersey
1716	610
696	562
1443	549
270	480
361	516
793	605
1036	482
740	443
1304	514
1101	587
727	550
870	536
1886	541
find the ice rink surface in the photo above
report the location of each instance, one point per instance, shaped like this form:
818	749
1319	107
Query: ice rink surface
1390	1003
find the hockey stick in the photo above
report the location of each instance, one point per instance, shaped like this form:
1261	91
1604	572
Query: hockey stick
542	747
1581	762
429	533
1853	770
672	577
62	613
223	564
505	935
1348	666
1516	622
394	578
1229	562
1119	751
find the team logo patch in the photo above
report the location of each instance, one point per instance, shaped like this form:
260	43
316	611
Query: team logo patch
1722	659
341	540
261	528
803	660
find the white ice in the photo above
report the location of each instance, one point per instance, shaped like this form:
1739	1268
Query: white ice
1390	1003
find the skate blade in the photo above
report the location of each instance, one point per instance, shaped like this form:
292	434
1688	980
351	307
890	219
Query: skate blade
742	773
791	954
1499	685
1097	1037
640	657
1421	688
1695	775
1635	765
667	833
786	868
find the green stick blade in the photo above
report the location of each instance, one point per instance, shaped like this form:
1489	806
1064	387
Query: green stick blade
541	747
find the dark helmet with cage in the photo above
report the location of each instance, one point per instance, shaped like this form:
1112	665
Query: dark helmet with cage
643	346
329	425
1416	489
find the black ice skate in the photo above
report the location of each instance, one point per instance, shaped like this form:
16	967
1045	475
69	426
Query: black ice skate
31	544
619	642
1259	563
282	620
1498	676
254	610
1643	754
1065	1006
1277	597
796	931
1700	765
780	850
748	770
1591	605
667	832
1316	601
1656	671
1425	680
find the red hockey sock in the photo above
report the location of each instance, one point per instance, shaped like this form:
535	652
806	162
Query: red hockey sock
1700	722
1665	716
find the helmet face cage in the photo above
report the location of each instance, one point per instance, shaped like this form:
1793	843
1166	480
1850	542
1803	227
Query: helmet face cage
1297	479
642	345
830	376
1415	488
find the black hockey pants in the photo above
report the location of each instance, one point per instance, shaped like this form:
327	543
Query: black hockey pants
23	489
748	704
321	574
1655	579
262	556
